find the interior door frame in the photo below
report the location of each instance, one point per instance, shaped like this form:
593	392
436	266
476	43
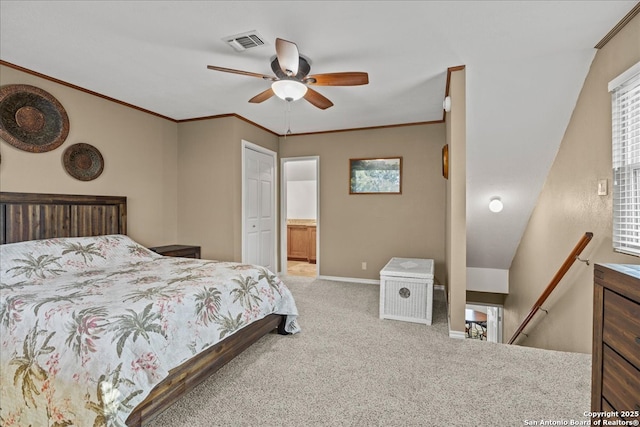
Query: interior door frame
499	321
246	145
283	209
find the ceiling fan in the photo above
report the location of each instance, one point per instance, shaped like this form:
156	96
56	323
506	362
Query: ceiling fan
291	81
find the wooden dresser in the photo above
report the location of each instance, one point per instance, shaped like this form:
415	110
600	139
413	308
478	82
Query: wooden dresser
615	375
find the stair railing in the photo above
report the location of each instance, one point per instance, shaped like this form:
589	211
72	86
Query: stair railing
573	256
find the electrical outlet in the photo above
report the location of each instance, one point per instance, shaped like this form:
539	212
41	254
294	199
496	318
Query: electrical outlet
364	265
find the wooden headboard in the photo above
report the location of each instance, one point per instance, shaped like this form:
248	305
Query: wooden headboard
32	216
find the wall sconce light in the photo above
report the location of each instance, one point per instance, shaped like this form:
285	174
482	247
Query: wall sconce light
495	205
289	90
446	104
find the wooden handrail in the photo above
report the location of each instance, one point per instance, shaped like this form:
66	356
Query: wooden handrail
584	241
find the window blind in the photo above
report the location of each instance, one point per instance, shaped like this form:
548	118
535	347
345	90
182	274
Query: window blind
625	96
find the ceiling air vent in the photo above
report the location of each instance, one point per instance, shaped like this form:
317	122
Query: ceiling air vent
244	41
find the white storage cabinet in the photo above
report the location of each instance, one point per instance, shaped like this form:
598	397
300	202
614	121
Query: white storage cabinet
406	290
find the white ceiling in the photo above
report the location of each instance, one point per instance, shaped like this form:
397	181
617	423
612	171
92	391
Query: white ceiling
525	65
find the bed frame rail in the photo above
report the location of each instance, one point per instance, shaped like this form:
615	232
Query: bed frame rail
190	374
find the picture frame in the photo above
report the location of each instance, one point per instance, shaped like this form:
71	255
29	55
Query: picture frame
375	175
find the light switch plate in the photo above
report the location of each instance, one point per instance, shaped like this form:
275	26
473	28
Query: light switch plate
602	187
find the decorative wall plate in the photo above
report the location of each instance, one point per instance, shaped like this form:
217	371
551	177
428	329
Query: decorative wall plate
445	161
83	161
32	119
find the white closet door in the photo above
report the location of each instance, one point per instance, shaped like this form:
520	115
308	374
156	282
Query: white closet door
259	209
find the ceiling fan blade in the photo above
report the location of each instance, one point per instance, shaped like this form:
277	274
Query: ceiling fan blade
316	99
288	56
244	73
262	96
349	78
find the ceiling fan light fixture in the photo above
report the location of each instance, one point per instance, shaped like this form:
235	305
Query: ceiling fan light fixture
289	90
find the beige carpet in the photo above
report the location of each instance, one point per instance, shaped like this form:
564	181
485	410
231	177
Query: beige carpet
349	368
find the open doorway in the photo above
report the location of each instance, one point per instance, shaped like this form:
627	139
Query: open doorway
483	322
300	209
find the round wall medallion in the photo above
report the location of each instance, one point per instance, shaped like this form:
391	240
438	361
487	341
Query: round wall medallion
31	119
404	292
445	161
83	161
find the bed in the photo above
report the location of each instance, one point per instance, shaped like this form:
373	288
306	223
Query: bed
96	329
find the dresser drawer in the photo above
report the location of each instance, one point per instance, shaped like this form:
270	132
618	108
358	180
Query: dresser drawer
620	382
608	408
621	329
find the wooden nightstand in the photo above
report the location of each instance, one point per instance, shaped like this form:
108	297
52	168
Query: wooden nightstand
184	251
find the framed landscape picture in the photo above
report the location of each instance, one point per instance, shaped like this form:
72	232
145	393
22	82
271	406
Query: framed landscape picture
375	176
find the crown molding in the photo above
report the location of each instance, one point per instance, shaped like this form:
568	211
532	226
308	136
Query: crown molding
619	26
218	116
81	89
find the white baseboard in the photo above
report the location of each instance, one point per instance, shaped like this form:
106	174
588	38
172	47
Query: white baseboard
452	334
350	279
457	335
436	287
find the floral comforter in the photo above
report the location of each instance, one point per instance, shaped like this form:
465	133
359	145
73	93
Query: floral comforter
88	326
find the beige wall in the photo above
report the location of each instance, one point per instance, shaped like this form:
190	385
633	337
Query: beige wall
567	208
456	191
183	180
210	183
140	159
374	228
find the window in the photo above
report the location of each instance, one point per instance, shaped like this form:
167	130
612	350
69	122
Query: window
625	96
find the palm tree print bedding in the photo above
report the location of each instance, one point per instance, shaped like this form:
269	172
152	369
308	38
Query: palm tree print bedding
88	326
